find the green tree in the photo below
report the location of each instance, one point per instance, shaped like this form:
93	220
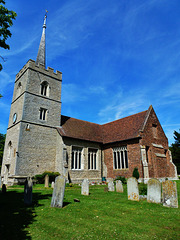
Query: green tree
175	150
135	173
6	17
2	141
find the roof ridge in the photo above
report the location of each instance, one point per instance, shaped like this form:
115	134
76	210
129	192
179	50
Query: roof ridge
124	117
81	120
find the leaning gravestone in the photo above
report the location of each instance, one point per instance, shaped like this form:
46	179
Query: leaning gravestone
132	189
154	191
85	187
28	191
119	186
169	194
46	181
111	185
52	185
58	192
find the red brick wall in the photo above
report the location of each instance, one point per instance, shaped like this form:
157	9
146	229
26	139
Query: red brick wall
134	159
158	166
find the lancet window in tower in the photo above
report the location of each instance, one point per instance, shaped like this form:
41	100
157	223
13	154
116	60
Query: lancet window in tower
43	114
9	149
19	89
45	89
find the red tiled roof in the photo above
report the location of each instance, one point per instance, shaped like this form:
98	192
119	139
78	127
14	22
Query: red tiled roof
119	130
75	128
123	129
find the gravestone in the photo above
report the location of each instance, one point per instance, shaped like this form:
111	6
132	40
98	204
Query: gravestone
52	185
132	189
28	191
154	191
85	187
169	194
4	188
111	185
46	181
119	186
58	192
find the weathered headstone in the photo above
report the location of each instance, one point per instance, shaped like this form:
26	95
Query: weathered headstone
119	186
85	187
154	191
28	191
132	189
46	181
4	188
111	185
58	192
52	185
169	194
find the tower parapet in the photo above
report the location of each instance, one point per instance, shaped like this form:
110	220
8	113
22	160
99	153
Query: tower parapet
39	68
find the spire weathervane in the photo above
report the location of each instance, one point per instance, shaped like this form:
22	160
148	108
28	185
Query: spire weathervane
41	57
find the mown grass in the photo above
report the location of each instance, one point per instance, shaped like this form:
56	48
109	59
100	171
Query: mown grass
101	215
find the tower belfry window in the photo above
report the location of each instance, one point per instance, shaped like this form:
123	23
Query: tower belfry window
19	89
45	89
43	114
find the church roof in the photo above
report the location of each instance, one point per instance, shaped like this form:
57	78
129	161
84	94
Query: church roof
119	130
124	128
79	129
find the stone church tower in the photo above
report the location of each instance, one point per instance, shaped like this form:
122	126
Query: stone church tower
35	113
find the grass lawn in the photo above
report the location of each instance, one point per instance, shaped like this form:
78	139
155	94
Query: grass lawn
101	215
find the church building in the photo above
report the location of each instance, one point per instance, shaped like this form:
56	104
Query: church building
40	139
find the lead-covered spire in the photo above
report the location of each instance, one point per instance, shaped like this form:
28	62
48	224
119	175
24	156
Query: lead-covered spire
41	57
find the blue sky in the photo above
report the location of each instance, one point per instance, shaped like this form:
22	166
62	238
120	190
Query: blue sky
117	56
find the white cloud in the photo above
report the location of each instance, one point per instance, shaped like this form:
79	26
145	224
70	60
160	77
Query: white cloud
72	93
123	104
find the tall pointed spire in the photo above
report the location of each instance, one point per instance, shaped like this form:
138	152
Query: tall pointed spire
41	57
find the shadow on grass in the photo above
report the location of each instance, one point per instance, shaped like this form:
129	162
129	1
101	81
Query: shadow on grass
66	203
15	216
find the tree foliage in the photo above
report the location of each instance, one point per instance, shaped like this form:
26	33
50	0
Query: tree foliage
135	173
2	141
6	21
175	150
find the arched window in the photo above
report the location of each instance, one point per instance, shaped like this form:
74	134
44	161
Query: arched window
19	89
9	149
120	157
45	89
